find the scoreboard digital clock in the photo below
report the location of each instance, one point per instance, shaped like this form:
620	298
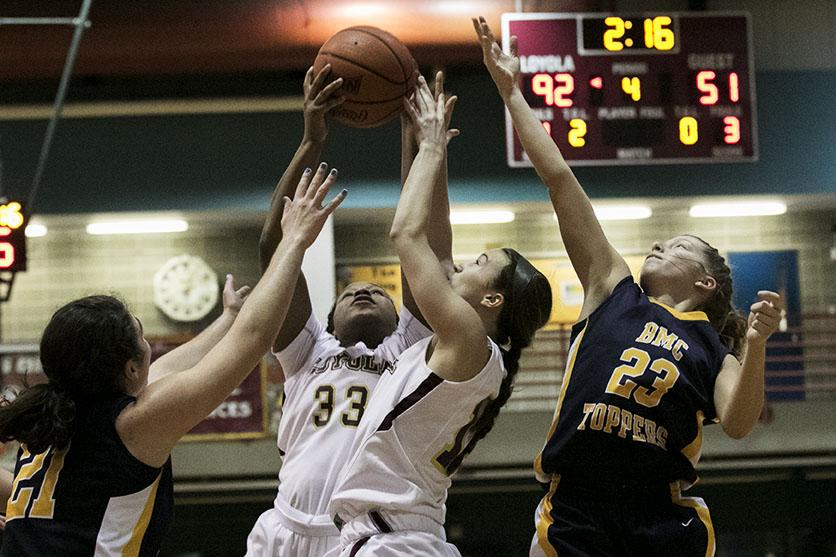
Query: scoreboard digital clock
637	89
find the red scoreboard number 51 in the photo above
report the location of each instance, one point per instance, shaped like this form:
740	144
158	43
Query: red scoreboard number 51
12	237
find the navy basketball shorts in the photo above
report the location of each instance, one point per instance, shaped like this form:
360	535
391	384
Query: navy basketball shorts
576	520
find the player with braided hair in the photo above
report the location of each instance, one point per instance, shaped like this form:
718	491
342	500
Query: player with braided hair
648	365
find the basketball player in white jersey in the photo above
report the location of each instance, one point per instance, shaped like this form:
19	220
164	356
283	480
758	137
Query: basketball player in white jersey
329	370
447	389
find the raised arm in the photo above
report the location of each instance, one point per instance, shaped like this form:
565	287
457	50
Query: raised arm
166	410
187	355
597	264
459	329
739	390
319	100
439	232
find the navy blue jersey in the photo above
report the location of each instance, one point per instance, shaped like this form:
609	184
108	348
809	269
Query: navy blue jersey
638	386
93	497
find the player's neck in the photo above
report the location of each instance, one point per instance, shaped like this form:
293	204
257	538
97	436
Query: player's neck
370	340
683	302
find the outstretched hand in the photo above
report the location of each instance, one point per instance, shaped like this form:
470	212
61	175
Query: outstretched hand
319	100
764	317
304	216
504	68
408	130
233	299
430	113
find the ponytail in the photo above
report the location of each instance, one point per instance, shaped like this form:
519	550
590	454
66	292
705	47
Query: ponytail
39	417
730	325
527	307
733	333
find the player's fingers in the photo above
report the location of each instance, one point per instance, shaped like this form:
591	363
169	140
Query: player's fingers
306	83
423	96
766	308
322	190
320	77
228	283
244	291
329	90
317	180
338	199
514	47
771	320
438	84
302	187
476	27
772	297
448	109
451	134
486	29
410	110
330	104
763	328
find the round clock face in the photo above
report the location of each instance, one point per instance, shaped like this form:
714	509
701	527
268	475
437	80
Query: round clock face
185	288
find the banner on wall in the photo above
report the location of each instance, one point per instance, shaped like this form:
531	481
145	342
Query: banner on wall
567	293
776	271
243	415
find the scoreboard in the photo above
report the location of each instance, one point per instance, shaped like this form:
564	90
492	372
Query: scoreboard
12	236
656	88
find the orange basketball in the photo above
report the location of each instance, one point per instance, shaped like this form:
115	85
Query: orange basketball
377	71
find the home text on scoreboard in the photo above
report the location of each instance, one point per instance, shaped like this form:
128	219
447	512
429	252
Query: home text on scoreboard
637	89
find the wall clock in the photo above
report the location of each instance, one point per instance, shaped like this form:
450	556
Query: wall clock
185	288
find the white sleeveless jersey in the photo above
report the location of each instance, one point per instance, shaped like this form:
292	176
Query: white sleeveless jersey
327	390
412	437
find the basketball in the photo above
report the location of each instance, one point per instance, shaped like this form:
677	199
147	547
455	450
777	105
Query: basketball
377	71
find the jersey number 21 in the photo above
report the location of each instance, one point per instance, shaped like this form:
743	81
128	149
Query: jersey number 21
37	478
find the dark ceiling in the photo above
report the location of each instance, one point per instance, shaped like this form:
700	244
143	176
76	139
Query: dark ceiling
219	46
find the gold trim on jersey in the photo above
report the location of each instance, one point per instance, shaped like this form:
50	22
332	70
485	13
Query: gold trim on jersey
135	543
573	352
545	520
681	315
702	512
693	450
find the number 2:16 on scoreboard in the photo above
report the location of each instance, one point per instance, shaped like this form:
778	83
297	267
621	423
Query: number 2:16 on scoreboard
637	89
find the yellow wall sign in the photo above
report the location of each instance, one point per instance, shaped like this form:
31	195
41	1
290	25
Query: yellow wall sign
387	276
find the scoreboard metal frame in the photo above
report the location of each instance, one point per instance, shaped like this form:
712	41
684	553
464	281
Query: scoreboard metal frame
515	155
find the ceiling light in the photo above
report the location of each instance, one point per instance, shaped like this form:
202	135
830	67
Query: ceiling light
620	212
137	227
481	217
738	209
35	230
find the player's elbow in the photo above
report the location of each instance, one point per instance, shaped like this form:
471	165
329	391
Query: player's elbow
737	429
403	234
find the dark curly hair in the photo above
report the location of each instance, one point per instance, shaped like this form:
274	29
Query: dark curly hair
84	349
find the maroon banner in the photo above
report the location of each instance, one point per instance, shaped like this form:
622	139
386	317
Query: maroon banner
243	415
